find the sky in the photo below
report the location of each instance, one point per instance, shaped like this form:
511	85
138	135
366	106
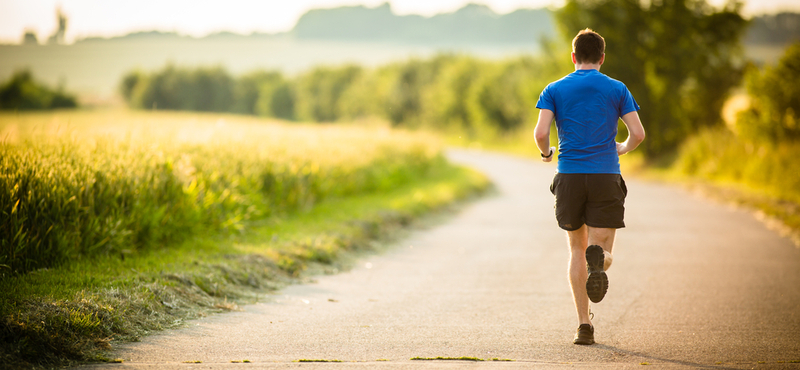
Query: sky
201	17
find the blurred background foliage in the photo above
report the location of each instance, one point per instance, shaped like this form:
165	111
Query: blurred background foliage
760	148
22	92
774	112
173	88
452	92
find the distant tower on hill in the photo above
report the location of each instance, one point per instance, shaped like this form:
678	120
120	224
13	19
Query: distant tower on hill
58	36
30	38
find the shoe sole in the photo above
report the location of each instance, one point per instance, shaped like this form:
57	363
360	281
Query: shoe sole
597	283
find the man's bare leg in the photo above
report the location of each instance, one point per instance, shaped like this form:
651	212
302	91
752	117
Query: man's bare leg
605	239
579	240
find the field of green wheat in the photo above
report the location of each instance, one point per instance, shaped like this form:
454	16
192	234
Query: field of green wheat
117	223
84	183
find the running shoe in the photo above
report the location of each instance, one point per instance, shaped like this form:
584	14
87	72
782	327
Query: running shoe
597	283
585	335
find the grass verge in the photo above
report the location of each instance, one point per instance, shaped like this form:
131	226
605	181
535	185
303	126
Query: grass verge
76	312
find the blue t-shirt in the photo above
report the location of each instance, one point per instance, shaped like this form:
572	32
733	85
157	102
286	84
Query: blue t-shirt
587	106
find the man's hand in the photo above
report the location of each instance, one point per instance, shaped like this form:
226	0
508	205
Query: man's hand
621	149
552	154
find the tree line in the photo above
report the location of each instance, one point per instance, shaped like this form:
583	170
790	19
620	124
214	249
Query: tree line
446	91
679	58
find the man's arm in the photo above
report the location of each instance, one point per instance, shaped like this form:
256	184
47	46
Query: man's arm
542	133
635	133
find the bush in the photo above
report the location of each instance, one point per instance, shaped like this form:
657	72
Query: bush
21	92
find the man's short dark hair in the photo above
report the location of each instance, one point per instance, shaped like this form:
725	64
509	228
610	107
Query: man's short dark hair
588	46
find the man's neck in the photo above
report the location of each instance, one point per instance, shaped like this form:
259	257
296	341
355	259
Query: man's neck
587	66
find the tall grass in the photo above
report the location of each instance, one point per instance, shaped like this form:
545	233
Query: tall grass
721	156
76	184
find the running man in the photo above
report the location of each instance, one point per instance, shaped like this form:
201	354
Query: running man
588	187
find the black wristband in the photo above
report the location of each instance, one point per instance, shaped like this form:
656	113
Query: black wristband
547	156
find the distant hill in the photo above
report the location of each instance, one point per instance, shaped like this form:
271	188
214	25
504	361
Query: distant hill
478	24
141	35
472	24
778	29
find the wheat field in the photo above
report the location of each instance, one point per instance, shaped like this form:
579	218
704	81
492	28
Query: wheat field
83	183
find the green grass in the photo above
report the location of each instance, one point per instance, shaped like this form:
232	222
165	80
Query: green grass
723	157
75	312
440	358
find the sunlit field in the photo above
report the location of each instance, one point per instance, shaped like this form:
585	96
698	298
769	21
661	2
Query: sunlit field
98	182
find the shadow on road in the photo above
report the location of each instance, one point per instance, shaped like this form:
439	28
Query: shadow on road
660	359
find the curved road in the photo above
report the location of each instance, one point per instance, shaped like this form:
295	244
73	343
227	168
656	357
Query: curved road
694	284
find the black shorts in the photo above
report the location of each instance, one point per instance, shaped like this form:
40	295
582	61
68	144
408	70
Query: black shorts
594	199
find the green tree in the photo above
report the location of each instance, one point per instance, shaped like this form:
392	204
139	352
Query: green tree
368	95
209	89
129	83
165	89
774	112
679	58
318	92
504	98
22	92
202	89
406	94
247	91
446	103
276	97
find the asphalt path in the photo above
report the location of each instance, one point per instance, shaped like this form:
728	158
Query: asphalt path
695	284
